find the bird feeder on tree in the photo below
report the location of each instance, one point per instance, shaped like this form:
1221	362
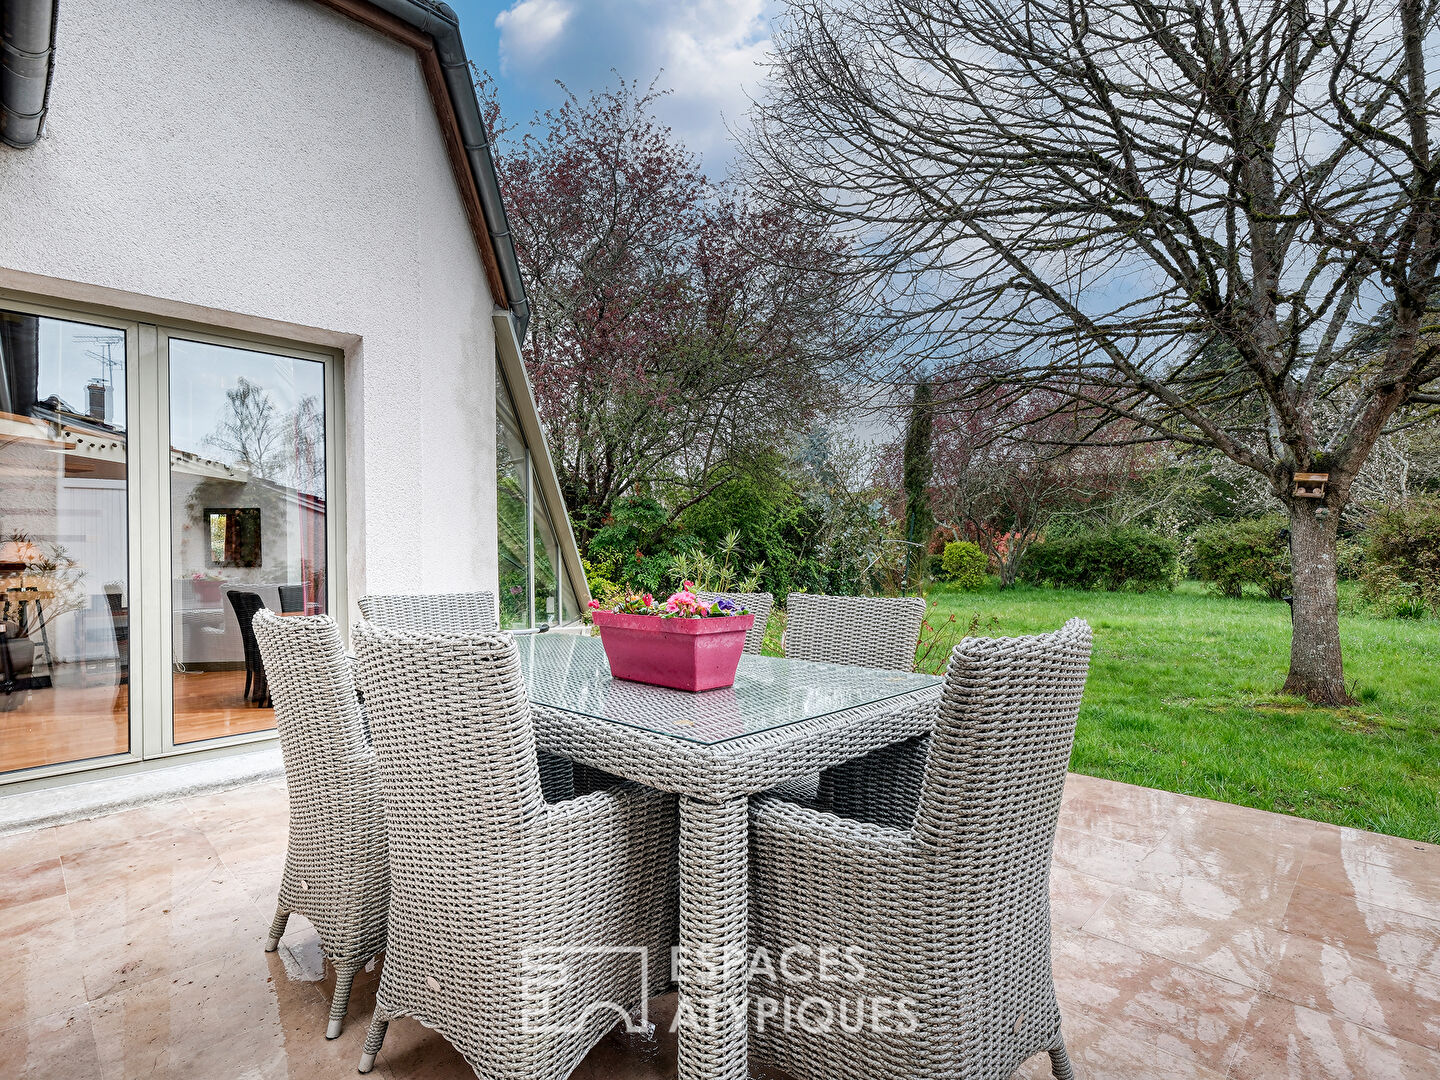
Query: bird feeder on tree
1310	485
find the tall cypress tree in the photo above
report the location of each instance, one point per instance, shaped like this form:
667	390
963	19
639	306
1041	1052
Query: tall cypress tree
919	467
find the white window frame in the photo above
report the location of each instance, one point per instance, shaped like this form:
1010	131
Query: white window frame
147	462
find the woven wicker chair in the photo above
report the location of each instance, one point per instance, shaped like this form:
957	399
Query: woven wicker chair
872	631
757	603
336	867
942	885
460	613
433	613
487	879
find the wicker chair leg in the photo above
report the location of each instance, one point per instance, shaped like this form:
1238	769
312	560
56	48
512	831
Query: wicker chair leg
1060	1063
373	1041
340	1001
277	929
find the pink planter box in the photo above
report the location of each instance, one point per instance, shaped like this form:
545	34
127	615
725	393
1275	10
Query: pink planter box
683	654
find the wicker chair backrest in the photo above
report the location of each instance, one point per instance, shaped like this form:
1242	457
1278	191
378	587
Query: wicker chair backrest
337	823
432	613
1002	741
449	712
872	631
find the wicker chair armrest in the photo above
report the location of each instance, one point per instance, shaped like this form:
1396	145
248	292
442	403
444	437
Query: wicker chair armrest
779	824
625	804
883	787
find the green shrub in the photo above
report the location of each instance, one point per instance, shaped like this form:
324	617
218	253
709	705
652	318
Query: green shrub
965	564
1402	560
1108	558
1252	551
1350	559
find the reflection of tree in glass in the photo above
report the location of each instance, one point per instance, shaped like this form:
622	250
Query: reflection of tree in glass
249	432
514	578
305	441
287	448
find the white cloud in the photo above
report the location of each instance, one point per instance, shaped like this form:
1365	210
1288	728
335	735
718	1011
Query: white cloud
707	53
528	28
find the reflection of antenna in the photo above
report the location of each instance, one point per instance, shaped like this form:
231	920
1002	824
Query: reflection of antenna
100	392
103	356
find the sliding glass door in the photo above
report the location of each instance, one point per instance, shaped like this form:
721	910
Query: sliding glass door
158	486
64	541
247	522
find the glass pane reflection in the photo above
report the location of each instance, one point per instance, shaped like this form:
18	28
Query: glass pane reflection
248	505
528	543
64	554
511	514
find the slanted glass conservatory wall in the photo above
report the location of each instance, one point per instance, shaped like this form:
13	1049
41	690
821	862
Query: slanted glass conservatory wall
534	587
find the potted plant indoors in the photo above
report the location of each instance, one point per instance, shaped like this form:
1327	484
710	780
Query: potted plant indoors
683	643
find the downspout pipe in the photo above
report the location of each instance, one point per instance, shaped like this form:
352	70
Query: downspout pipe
441	24
27	53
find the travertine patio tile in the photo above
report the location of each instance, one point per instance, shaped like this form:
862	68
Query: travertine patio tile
1191	1014
1230	948
1396	937
1217	942
28	883
41	962
1285	1041
1399	1001
1103	857
51	1047
1413	887
236	1016
1075	896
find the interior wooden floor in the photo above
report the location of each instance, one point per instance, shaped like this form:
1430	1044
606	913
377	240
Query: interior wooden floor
74	721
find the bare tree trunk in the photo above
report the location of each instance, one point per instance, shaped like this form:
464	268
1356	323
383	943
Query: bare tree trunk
1316	669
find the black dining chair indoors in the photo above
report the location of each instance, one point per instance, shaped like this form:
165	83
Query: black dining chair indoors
120	627
246	604
292	598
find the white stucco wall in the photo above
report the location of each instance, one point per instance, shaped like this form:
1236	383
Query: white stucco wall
275	159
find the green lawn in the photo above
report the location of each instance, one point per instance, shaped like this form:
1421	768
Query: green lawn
1184	695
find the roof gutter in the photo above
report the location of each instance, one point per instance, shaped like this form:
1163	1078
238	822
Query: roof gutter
440	23
27	53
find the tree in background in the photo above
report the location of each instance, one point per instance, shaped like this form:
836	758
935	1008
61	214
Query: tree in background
681	332
1005	469
1177	215
918	470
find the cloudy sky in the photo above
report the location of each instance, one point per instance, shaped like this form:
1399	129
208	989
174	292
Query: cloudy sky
706	52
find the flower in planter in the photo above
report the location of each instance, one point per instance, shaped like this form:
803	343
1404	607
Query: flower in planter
682	604
686	604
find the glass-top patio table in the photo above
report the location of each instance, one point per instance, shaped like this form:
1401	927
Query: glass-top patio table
782	720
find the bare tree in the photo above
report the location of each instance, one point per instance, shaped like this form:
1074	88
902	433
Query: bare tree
305	445
250	432
1180	214
1404	463
1003	473
681	331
